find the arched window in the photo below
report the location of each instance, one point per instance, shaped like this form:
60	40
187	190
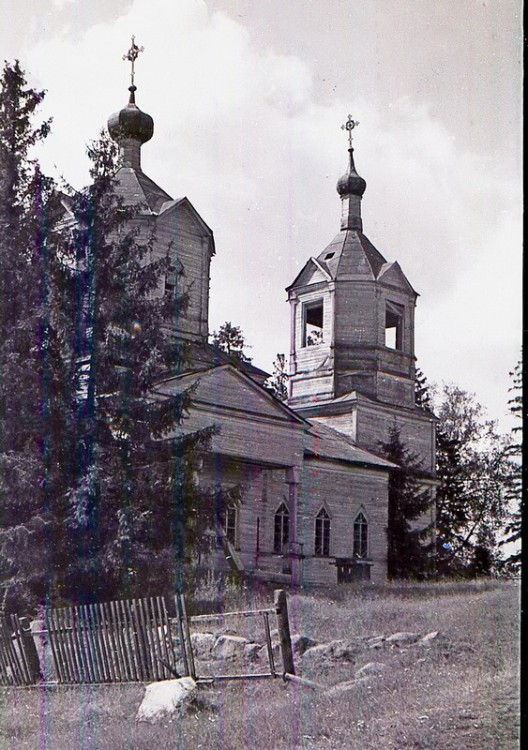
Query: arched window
360	536
322	533
281	532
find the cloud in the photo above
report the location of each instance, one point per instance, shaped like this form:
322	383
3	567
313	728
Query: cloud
240	130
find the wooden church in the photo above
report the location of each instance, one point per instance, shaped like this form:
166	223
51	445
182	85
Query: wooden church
314	501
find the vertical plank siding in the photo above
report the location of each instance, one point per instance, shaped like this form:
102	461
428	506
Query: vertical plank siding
14	666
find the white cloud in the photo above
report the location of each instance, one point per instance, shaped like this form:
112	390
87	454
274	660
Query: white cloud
240	131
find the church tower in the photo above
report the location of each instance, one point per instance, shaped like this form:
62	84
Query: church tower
173	227
352	359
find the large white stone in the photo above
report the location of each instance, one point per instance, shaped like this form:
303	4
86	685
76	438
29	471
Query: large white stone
399	639
164	699
229	646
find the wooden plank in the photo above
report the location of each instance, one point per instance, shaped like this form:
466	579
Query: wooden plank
66	663
118	636
155	639
268	643
6	646
221	615
129	637
183	645
20	651
88	640
99	655
187	633
283	626
147	639
165	634
72	618
109	643
138	639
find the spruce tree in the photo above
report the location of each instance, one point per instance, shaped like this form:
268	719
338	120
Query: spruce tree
408	551
31	369
135	515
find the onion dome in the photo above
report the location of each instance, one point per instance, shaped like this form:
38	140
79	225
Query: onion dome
351	183
130	122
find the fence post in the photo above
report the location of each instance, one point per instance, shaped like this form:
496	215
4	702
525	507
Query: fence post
27	643
283	626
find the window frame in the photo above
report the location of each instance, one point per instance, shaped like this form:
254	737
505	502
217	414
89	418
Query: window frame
307	307
360	542
322	533
281	528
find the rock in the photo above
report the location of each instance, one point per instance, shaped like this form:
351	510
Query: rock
399	639
429	638
164	699
263	653
252	651
376	641
202	644
301	643
229	646
333	650
373	667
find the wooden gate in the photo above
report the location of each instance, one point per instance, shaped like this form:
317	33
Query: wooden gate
121	641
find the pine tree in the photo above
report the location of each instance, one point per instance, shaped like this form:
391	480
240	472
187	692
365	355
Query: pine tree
408	554
278	382
231	340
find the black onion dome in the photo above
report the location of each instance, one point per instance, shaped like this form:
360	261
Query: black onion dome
131	122
351	183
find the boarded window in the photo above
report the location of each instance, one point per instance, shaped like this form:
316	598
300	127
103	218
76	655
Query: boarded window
313	323
281	532
394	315
322	533
360	536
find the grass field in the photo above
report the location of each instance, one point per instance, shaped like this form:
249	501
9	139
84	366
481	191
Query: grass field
461	693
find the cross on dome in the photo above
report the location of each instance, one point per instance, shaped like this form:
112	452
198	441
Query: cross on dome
349	125
132	56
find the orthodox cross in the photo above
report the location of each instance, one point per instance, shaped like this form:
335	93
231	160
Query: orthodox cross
349	125
132	55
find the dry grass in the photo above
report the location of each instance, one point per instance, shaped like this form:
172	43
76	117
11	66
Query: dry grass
462	693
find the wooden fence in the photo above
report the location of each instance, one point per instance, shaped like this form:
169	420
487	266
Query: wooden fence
134	640
18	664
120	641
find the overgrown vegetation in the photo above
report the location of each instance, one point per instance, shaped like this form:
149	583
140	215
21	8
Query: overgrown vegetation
462	693
97	499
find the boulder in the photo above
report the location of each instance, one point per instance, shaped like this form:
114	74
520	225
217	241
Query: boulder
429	638
164	699
229	647
376	641
402	639
373	667
202	644
301	643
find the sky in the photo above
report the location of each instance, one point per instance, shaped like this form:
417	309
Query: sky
248	99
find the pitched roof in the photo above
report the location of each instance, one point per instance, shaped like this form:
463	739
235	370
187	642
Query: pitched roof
351	255
325	442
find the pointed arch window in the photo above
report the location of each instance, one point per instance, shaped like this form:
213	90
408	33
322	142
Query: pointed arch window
322	533
360	535
281	530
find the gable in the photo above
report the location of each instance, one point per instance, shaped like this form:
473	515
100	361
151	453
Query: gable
312	273
182	211
392	275
226	388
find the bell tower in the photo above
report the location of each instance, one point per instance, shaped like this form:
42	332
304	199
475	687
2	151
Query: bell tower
352	361
352	314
